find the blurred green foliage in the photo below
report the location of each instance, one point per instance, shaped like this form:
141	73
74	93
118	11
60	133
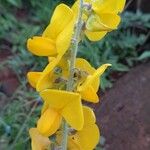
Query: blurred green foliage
19	20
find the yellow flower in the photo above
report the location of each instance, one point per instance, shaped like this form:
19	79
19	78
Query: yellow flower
85	139
56	37
90	95
87	82
85	67
103	18
39	142
66	104
88	137
44	80
49	122
88	89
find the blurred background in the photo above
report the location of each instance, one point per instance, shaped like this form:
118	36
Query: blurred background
123	114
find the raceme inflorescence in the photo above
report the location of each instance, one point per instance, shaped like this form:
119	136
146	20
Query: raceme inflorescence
66	82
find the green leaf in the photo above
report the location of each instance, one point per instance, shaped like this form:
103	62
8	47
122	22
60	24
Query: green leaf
17	3
120	67
105	83
144	55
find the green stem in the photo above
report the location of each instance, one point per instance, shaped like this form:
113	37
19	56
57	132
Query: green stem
73	50
74	46
64	135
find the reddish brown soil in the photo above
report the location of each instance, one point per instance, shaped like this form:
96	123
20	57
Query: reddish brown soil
8	80
124	112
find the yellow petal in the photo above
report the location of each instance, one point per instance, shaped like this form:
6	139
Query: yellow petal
49	122
100	71
89	116
80	140
108	6
73	113
90	132
33	78
95	36
110	20
95	84
90	79
100	6
44	107
64	38
120	5
50	59
84	65
60	19
52	64
102	22
45	80
89	94
39	142
75	8
73	144
68	102
95	24
41	46
58	98
64	65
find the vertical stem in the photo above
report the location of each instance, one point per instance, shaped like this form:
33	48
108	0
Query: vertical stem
74	46
73	50
64	135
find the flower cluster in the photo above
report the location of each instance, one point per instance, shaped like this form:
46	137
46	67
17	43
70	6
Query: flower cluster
59	104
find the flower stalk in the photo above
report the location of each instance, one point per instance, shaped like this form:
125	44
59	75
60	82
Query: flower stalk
74	46
73	51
